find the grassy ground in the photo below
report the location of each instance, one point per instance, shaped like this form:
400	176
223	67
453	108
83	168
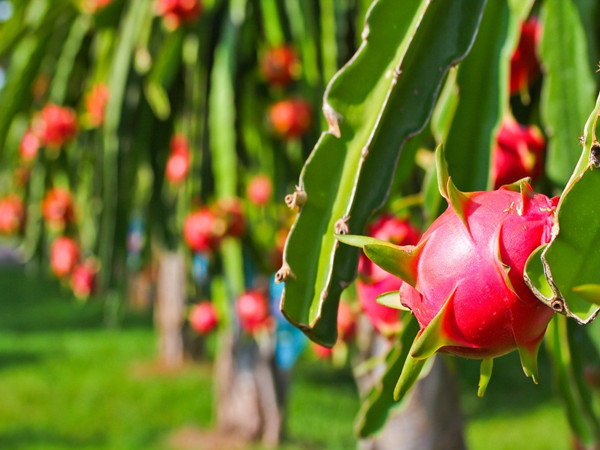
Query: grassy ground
67	382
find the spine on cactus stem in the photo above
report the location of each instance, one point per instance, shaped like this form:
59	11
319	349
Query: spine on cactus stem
464	279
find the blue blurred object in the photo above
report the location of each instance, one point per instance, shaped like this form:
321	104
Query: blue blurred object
135	242
200	267
289	340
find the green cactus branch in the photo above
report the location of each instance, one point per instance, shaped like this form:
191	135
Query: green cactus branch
567	266
381	98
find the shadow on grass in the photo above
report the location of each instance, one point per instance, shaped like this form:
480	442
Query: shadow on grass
10	359
26	438
40	305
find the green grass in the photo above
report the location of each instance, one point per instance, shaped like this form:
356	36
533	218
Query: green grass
68	382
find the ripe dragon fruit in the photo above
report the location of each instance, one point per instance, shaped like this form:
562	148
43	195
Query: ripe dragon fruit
524	64
464	281
29	146
57	207
64	254
373	280
252	309
203	230
12	214
203	318
291	119
259	190
518	153
178	164
177	12
279	65
57	125
95	104
83	279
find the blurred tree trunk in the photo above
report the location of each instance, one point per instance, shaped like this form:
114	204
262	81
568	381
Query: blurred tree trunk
169	308
431	418
250	389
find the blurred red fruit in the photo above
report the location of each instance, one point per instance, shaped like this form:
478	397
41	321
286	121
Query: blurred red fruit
320	351
57	207
203	231
346	322
56	125
279	65
524	64
374	281
95	103
203	317
30	144
178	164
231	211
519	153
259	190
83	279
291	118
12	214
177	12
252	309
64	254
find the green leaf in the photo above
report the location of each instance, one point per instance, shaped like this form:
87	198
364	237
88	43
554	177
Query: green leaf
568	87
221	122
568	261
382	97
573	256
16	94
165	67
66	62
121	63
400	261
485	375
380	400
482	84
391	300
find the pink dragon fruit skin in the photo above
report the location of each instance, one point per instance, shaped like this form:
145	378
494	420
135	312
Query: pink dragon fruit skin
469	275
463	281
374	281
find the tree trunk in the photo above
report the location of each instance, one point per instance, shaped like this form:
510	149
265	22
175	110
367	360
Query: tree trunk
169	308
250	389
431	418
